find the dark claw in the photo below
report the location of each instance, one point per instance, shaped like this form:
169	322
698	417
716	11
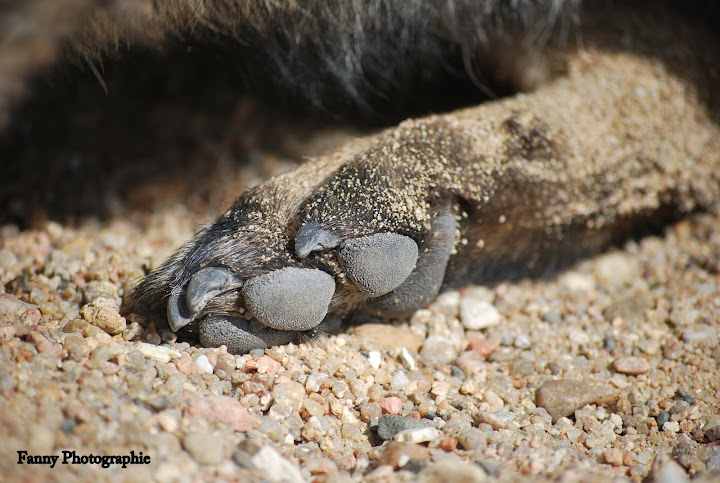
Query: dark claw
207	284
178	313
379	263
310	237
291	299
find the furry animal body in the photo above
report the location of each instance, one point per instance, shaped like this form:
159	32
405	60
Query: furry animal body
612	130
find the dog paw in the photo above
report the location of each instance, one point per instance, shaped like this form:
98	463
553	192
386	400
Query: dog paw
277	266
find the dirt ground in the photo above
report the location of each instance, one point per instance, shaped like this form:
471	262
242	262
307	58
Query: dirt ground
632	336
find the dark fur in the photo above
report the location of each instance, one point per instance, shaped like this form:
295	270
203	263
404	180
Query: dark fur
372	58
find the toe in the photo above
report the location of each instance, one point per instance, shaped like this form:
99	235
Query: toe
424	283
238	335
207	284
294	299
379	263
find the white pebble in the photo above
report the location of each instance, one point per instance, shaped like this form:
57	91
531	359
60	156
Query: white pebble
698	333
522	342
577	282
374	358
579	337
156	352
478	314
407	360
203	365
276	468
671	427
399	381
418	435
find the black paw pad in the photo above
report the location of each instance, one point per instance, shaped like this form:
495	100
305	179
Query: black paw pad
294	299
379	263
241	336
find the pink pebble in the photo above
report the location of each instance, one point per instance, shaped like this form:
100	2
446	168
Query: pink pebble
390	404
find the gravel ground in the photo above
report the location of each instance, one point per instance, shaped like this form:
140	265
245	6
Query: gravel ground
610	371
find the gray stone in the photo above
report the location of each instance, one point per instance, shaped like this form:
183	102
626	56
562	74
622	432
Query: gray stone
712	429
713	462
390	425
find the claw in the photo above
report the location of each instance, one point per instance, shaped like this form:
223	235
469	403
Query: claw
310	237
293	299
178	313
379	263
207	284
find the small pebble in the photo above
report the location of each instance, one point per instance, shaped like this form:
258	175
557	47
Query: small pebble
478	314
681	393
156	352
662	418
103	313
615	269
483	347
267	365
275	468
407	360
292	392
390	425
552	318
631	365
313	407
438	349
390	405
665	470
397	455
713	462
700	333
608	343
374	358
207	449
417	435
613	457
489	418
370	411
96	289
711	430
244	459
399	381
472	439
186	365
224	410
449	444
203	365
563	397
522	342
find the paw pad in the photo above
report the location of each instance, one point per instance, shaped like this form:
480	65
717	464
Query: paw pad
290	298
379	263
